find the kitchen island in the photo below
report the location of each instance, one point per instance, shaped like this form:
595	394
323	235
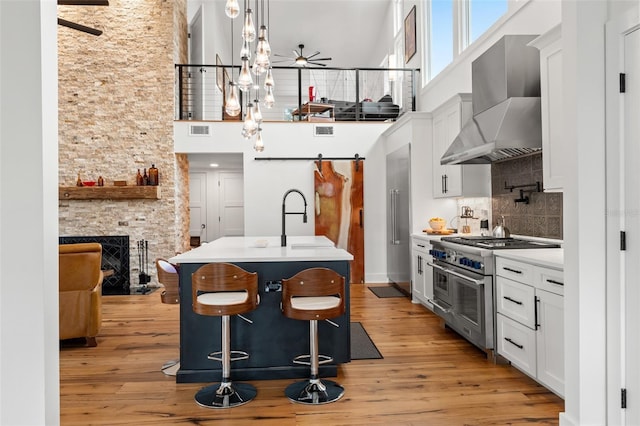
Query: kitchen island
271	340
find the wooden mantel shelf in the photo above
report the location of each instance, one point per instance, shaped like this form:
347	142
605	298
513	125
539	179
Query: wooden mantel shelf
108	192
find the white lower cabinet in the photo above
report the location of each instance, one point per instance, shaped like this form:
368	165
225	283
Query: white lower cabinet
530	320
421	273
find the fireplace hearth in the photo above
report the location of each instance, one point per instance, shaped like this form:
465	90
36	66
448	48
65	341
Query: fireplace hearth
115	257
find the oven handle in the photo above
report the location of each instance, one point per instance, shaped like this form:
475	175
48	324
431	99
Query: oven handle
464	277
446	310
433	265
457	274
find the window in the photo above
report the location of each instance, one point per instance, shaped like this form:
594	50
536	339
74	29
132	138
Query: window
440	36
482	14
451	26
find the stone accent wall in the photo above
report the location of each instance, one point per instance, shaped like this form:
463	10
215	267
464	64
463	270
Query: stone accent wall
116	111
542	217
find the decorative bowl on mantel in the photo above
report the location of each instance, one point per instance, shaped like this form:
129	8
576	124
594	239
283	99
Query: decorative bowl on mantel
89	183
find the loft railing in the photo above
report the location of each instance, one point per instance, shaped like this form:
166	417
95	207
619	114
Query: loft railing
355	94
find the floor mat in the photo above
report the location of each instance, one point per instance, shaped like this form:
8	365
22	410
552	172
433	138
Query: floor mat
386	291
362	347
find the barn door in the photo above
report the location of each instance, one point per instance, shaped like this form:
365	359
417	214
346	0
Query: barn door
339	208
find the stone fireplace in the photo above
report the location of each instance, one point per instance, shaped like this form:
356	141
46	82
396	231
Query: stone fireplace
115	116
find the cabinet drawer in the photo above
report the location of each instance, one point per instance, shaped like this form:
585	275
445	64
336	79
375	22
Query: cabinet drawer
516	301
548	279
517	271
420	245
517	343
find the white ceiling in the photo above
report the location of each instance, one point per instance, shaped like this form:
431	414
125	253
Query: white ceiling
355	33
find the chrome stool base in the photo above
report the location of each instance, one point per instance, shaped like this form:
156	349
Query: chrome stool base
314	392
225	395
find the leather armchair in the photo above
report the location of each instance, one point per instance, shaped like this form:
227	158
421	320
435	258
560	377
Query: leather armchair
80	291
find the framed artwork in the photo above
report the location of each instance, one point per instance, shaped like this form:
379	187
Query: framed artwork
219	74
410	35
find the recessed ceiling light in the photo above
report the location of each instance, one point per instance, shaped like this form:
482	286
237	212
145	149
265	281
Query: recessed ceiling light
214	165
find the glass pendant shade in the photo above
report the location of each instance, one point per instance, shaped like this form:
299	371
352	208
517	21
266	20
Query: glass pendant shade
258	67
269	99
259	144
232	9
268	80
263	41
245	81
250	126
257	114
232	103
245	52
249	29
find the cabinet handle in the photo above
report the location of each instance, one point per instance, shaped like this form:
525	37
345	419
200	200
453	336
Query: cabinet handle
442	184
419	265
517	302
514	343
515	271
420	245
555	282
535	310
446	189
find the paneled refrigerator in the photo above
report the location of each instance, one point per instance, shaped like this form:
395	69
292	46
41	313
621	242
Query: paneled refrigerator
398	218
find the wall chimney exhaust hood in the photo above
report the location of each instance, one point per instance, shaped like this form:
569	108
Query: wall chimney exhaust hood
505	86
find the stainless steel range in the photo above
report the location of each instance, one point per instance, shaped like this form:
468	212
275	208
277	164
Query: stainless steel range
463	293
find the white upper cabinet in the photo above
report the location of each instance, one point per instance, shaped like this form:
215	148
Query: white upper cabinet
551	96
467	180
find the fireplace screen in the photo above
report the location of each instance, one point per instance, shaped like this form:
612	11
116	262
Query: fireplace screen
115	256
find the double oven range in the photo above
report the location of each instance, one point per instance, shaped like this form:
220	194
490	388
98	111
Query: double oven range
463	283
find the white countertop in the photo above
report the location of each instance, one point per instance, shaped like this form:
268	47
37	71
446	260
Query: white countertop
264	249
548	257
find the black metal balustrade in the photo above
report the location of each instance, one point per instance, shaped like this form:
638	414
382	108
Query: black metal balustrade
354	94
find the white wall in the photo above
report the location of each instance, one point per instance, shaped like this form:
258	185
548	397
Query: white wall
29	377
265	182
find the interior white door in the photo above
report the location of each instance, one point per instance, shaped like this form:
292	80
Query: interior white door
198	204
631	144
231	204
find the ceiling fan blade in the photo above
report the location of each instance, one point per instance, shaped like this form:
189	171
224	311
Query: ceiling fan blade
79	27
311	56
317	63
281	56
322	59
83	2
281	61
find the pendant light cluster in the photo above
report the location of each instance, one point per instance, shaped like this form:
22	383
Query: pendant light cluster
261	66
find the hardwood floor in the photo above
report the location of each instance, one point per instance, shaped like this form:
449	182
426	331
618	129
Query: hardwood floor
429	376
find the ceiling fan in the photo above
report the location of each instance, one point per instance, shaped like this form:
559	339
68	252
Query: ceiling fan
76	26
302	61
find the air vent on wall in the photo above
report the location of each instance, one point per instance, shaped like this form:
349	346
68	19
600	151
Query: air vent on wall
199	130
322	130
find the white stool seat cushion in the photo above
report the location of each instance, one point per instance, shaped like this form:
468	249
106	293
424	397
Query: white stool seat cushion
311	303
223	298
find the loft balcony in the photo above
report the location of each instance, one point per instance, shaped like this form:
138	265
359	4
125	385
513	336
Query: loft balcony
341	94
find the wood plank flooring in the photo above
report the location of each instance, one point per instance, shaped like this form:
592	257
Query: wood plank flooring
429	376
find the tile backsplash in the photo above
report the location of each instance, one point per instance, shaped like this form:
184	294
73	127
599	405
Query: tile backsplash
542	217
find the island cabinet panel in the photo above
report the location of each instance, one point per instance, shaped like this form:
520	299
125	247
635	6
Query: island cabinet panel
272	340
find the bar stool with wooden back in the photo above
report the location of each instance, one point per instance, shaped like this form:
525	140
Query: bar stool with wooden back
168	276
311	295
222	290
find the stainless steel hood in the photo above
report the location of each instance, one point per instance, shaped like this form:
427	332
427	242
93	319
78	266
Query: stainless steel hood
506	105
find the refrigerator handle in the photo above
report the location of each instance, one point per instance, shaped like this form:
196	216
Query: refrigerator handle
394	216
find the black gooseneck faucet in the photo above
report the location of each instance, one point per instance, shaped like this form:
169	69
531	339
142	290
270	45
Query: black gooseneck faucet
283	237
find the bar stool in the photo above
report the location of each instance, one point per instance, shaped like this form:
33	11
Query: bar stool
222	290
311	295
169	278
